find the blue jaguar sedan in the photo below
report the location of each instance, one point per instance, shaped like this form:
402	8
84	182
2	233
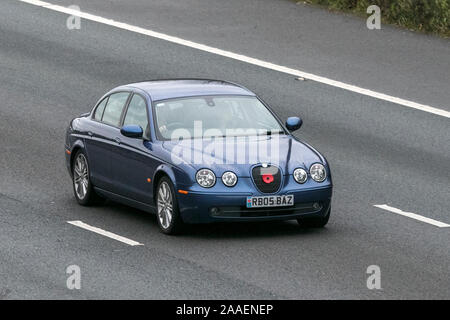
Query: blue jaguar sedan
196	151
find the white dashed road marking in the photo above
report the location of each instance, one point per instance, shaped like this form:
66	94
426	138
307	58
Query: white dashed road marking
105	233
413	216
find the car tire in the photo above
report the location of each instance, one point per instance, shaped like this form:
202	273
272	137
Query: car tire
167	211
81	180
316	222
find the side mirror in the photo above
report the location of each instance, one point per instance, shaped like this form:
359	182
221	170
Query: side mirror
293	123
132	131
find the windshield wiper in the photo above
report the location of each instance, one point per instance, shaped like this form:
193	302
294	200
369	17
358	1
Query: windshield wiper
271	132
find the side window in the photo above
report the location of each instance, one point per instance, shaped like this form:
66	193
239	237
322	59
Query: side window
114	108
100	108
137	113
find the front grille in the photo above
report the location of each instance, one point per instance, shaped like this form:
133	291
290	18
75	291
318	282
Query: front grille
270	185
243	212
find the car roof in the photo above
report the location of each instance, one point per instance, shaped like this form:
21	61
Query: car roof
178	88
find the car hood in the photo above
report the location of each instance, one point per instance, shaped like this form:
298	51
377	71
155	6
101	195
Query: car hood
216	154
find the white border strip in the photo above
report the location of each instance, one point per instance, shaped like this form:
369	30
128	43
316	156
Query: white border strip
242	58
413	216
105	233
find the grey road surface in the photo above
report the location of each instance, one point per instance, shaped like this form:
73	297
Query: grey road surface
338	46
380	153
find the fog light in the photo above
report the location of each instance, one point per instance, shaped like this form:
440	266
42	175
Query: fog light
214	211
316	205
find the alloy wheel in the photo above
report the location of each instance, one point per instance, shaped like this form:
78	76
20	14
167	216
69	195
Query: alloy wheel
81	176
165	205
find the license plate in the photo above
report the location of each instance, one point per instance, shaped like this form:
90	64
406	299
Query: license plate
270	201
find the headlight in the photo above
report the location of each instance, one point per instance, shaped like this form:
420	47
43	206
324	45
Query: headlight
300	175
318	172
229	179
206	178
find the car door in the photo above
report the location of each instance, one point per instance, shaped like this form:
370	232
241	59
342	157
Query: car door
100	143
133	164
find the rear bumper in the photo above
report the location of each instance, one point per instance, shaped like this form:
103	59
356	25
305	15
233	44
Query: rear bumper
208	207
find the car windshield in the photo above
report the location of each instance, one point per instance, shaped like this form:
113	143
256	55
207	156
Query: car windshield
214	116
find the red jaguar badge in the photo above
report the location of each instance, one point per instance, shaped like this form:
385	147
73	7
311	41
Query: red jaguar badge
267	178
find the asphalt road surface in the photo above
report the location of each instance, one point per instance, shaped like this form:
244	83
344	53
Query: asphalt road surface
380	153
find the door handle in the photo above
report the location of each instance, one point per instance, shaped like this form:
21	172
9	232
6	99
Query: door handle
90	134
117	139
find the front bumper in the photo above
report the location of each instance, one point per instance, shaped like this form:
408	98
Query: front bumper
198	207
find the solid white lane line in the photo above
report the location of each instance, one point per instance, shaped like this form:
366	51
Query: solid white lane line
240	57
413	216
105	233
